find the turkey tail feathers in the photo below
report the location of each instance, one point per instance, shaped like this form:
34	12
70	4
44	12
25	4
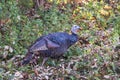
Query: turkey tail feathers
27	59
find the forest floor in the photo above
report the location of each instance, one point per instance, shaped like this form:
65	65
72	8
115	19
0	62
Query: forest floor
96	56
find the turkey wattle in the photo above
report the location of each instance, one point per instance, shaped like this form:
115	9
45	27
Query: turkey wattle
53	45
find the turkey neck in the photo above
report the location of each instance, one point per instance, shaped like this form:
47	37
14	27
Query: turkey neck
73	38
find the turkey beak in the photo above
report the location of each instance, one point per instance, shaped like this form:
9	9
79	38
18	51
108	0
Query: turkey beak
79	29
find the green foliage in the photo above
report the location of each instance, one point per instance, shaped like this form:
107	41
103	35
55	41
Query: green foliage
26	3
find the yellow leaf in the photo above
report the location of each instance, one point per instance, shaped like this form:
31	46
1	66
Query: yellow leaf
107	7
104	13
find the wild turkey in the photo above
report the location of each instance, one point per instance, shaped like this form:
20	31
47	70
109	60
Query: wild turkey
53	45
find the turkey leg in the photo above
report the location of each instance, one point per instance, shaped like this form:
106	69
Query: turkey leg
44	60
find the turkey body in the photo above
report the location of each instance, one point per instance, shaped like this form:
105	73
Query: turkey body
53	45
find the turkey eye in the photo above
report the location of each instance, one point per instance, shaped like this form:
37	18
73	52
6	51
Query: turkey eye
75	26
